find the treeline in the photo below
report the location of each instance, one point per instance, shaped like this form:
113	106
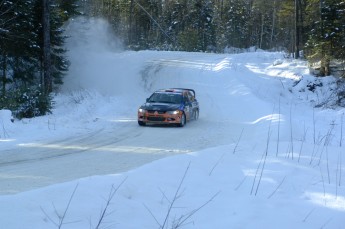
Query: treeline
28	73
316	27
25	87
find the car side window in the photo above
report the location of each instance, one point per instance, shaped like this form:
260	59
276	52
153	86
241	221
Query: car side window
191	97
186	97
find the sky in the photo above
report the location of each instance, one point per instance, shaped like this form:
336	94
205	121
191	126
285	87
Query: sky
266	152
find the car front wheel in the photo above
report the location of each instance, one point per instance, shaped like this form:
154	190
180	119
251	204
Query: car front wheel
141	123
183	120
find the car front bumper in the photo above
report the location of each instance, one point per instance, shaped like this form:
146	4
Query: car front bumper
159	118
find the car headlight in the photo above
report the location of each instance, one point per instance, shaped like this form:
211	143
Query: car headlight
141	110
173	112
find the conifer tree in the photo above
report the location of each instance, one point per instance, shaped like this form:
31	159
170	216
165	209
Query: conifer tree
236	23
21	55
326	36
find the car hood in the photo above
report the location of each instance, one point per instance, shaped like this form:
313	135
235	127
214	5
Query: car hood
161	106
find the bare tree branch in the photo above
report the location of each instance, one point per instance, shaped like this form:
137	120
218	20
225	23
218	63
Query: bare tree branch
112	193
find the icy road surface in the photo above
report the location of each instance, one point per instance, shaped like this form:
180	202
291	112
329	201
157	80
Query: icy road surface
112	142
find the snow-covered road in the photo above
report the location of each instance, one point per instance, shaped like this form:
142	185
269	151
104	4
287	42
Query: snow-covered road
107	151
114	143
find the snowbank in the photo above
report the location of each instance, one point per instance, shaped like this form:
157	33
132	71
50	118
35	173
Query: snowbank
6	123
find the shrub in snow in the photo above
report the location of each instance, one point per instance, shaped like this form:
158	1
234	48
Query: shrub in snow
26	102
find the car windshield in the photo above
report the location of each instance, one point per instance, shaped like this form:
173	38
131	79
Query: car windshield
165	98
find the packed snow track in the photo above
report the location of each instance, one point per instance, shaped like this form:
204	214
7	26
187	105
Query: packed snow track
112	142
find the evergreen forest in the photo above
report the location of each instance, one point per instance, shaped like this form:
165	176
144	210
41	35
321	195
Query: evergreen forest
33	57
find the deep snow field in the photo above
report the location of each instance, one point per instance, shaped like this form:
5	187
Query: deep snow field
265	152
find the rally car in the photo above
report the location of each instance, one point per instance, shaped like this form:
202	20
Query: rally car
169	106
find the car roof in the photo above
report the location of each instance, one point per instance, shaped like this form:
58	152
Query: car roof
176	90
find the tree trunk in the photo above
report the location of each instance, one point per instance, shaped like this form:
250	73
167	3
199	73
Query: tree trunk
325	59
262	30
301	21
48	83
4	69
297	35
273	23
130	32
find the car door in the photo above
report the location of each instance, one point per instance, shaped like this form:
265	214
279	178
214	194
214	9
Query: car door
193	101
188	109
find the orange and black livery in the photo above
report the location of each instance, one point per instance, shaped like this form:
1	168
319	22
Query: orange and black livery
169	106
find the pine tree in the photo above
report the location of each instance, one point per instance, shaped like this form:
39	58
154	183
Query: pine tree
220	28
337	28
174	12
235	18
206	26
21	56
67	9
326	37
6	18
59	63
16	46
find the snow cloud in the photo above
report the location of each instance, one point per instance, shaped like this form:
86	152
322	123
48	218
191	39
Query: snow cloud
90	43
91	35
